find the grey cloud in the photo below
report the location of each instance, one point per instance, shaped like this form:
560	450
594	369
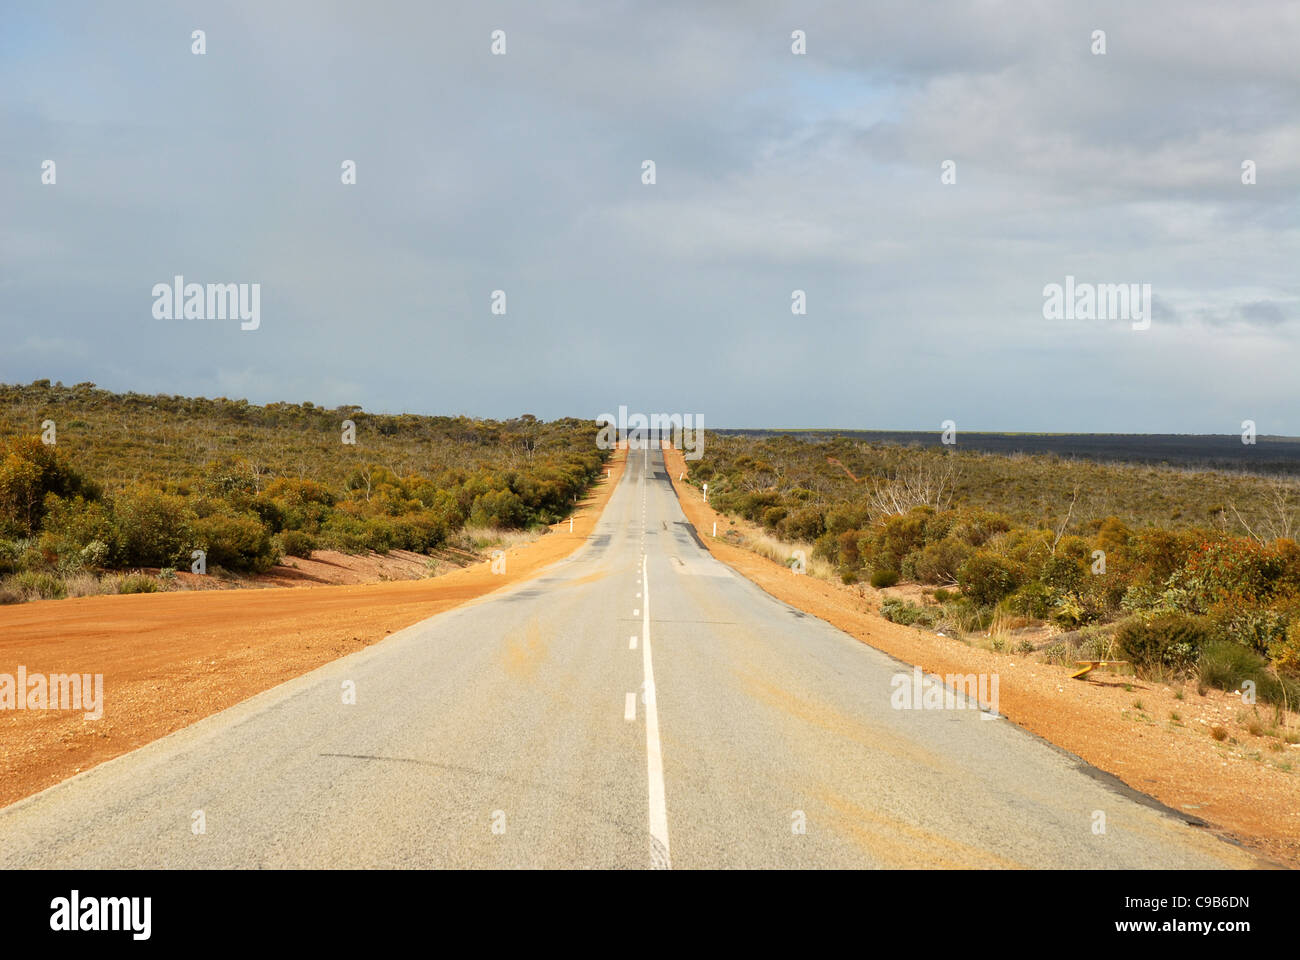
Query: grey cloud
775	173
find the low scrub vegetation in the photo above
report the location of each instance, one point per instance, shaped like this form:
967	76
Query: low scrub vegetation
1179	572
136	481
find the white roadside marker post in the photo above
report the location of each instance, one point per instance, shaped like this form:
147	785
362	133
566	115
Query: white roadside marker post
571	524
715	529
706	493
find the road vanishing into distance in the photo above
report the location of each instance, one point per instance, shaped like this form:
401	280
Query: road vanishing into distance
637	705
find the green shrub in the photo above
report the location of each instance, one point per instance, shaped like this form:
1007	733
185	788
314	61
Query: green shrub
1230	570
883	578
501	509
236	542
1062	574
36	585
898	536
845	517
847	550
1258	629
826	547
1034	599
939	562
1161	552
71	524
137	583
1172	640
1113	535
967	616
1069	611
152	529
1227	665
30	471
94	554
908	614
346	533
420	531
9	554
976	527
1096	643
986	577
1286	652
295	543
806	524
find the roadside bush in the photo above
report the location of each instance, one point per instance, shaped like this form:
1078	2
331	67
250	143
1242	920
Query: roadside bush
1103	593
420	531
897	537
939	562
1113	535
967	616
9	554
826	547
1227	665
29	471
1161	553
151	529
301	504
236	542
976	527
501	509
1062	574
1034	600
1096	643
883	578
137	583
845	517
1286	652
986	578
346	533
295	543
908	614
846	550
94	554
1069	611
1231	570
1172	640
73	522
1256	628
35	585
805	524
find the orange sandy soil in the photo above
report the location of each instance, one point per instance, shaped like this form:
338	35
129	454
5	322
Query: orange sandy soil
1236	786
324	567
169	659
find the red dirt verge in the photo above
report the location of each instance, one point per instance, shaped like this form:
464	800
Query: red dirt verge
169	659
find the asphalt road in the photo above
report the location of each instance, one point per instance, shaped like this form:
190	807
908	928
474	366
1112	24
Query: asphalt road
638	705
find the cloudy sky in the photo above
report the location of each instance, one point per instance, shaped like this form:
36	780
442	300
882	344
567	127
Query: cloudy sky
775	172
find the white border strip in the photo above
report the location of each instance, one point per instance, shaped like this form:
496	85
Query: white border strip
659	857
